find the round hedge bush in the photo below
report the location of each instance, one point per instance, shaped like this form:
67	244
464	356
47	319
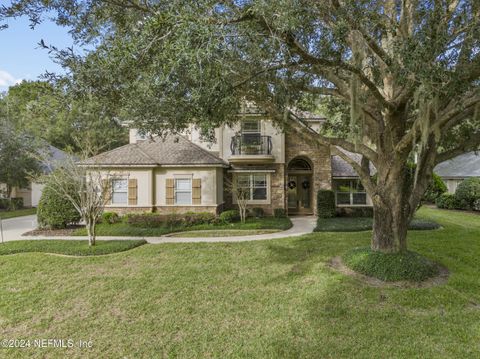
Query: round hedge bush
55	211
435	189
390	267
230	216
468	191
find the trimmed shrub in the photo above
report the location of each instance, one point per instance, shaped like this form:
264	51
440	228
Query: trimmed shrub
448	201
326	203
435	189
279	213
15	203
152	220
468	191
230	216
55	211
149	220
355	212
4	203
257	212
111	217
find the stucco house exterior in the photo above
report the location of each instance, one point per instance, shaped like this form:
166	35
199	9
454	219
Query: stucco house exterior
181	173
455	170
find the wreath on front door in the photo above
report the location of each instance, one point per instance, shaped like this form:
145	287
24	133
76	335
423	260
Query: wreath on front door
292	184
306	184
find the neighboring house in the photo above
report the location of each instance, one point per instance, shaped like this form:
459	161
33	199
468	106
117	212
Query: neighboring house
31	194
184	173
457	169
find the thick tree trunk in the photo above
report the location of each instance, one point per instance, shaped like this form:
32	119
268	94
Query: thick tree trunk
389	228
391	210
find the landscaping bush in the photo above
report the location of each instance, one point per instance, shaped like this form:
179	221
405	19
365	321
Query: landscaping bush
153	220
279	213
355	212
55	211
15	203
435	189
257	212
4	203
111	217
230	216
193	218
149	220
326	203
448	201
468	191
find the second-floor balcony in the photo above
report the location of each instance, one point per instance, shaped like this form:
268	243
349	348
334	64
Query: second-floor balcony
251	148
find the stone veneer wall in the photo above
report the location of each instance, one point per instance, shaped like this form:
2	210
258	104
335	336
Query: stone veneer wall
319	157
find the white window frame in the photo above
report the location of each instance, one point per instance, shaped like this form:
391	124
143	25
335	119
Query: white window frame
259	124
175	191
252	186
351	192
112	181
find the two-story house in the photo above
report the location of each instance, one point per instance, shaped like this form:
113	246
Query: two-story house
183	173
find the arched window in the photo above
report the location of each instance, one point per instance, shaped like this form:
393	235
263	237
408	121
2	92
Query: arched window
299	164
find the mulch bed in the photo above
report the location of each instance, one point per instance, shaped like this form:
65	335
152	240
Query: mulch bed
53	232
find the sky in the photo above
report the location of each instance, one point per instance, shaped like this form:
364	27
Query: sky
21	58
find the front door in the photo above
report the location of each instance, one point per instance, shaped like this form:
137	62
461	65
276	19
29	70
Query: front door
299	194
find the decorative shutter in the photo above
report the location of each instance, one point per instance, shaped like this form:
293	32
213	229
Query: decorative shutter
170	196
107	185
196	191
132	192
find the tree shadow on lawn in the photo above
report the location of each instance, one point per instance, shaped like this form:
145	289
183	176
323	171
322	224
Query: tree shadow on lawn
343	317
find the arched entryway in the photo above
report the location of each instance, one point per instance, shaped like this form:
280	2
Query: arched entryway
299	186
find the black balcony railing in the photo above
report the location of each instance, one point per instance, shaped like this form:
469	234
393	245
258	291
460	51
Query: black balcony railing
251	144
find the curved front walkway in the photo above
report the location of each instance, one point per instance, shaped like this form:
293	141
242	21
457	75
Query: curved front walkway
13	229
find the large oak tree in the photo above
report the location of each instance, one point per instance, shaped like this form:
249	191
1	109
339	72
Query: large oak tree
407	70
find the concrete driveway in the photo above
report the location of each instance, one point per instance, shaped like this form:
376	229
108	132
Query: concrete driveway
13	228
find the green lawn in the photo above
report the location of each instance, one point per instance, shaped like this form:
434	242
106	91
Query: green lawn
123	229
17	213
356	224
73	248
262	299
223	233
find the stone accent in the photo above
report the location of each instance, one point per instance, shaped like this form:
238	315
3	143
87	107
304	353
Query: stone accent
318	156
125	210
184	209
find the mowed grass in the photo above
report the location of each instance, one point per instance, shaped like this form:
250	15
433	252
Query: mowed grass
357	224
262	299
223	233
69	247
127	230
17	213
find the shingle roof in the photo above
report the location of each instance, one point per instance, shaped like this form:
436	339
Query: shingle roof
340	168
466	165
53	157
171	150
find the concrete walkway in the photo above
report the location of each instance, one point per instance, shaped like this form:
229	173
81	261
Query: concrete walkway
15	227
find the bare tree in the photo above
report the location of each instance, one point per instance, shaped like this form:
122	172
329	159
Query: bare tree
87	187
240	195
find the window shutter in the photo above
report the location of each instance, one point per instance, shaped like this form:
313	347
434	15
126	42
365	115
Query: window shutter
196	191
107	186
132	192
170	198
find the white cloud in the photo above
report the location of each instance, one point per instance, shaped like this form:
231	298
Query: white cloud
6	79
